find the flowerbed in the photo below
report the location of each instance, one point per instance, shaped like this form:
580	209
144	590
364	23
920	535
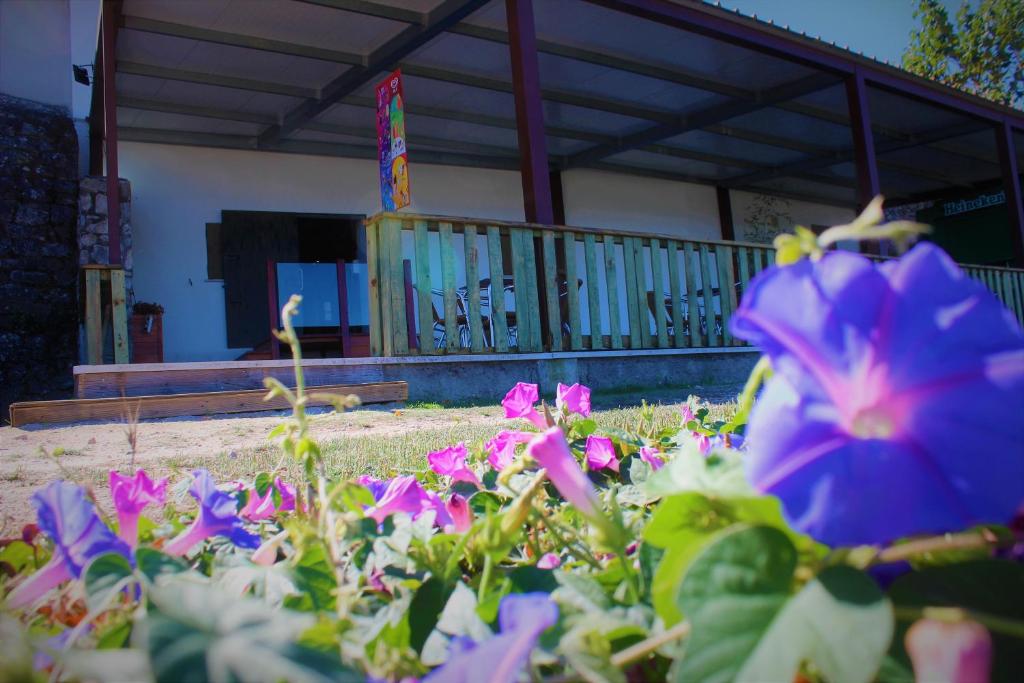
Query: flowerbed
853	522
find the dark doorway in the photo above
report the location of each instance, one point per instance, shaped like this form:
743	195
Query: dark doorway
251	239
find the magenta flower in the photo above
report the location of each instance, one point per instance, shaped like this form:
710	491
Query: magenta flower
287	492
460	513
432	501
651	456
519	402
953	652
601	453
131	495
402	494
549	561
687	414
451	461
522	617
895	407
501	450
551	451
258	507
217	517
703	442
575	399
69	518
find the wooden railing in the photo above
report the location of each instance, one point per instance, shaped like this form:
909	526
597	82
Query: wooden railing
632	291
105	300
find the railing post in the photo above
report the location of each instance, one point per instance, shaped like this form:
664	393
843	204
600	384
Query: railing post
868	185
108	38
1005	143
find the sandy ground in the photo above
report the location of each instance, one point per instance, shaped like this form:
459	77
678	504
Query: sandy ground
87	451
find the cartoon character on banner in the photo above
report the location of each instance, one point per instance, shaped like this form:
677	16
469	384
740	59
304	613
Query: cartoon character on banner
384	165
400	182
397	115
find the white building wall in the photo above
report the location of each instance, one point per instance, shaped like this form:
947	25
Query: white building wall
790	213
177	190
597	199
35	50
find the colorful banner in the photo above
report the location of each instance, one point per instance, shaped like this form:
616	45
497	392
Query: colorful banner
394	162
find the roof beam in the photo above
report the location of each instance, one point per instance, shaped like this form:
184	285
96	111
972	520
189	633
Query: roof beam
166	28
203	78
817	161
409	39
705	117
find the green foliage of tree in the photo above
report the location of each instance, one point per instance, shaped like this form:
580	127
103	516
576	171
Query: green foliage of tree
982	52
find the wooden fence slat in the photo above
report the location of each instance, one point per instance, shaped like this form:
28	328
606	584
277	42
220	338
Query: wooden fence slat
93	317
759	257
743	257
1013	298
674	291
522	289
119	315
643	310
658	293
421	238
399	322
573	292
476	327
451	311
373	275
629	256
551	288
611	258
533	301
384	277
593	290
499	321
709	296
692	306
726	288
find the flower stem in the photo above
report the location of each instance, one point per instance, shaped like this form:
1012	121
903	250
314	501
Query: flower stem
485	578
967	540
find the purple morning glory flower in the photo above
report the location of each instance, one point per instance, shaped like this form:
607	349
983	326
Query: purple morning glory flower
896	404
131	495
217	517
651	456
69	518
522	617
403	494
287	492
574	398
551	451
376	486
501	450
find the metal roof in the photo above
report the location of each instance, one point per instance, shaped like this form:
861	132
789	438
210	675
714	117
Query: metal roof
676	90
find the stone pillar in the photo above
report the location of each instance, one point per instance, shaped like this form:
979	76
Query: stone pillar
93	233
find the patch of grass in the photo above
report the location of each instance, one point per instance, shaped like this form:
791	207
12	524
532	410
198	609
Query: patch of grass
386	455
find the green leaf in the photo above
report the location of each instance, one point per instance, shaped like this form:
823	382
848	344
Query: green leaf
153	563
193	631
985	588
115	636
583	592
104	577
18	555
840	622
425	610
107	666
589	653
731	593
314	579
688	470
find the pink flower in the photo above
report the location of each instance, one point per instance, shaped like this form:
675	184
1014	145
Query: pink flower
459	511
258	507
501	450
688	415
651	456
287	492
403	494
575	398
451	461
957	652
551	451
549	561
703	442
601	453
519	402
432	501
131	495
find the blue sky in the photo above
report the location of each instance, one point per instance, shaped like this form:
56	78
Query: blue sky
878	28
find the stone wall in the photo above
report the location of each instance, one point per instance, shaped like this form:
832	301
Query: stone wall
38	253
93	235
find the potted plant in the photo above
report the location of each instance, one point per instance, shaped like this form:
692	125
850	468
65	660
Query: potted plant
146	330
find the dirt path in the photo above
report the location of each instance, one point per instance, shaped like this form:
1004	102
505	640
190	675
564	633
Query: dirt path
87	451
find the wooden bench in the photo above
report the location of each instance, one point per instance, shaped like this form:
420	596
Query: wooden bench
177	405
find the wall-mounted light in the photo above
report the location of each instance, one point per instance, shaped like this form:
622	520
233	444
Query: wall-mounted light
81	72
